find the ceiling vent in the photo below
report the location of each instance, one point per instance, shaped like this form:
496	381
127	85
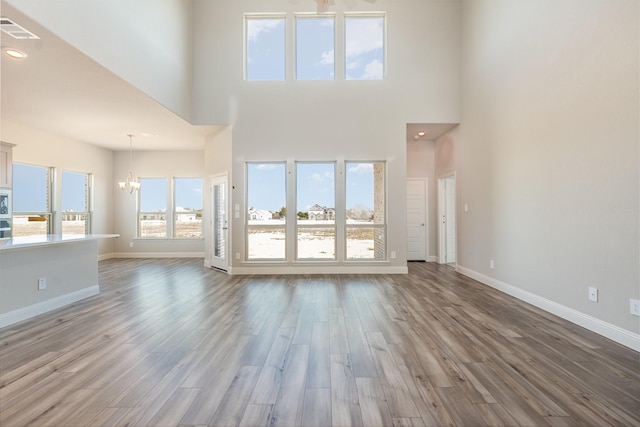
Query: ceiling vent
15	30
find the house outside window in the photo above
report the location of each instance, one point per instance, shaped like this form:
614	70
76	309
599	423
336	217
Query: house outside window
266	213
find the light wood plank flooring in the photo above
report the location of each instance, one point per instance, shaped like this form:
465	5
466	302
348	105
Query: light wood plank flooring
170	343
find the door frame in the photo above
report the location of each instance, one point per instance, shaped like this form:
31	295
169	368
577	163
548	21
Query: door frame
219	263
443	212
426	214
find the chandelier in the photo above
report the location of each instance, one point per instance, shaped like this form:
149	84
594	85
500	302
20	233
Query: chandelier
131	181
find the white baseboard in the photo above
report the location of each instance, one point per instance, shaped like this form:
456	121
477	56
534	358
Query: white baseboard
432	258
337	269
613	332
105	256
158	255
30	311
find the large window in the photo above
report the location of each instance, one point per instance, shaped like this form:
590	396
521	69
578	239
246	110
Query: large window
265	47
365	211
76	215
364	47
315	51
152	208
335	220
31	200
187	208
316	213
266	214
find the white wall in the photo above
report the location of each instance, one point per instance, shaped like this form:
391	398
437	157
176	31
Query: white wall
40	148
152	164
350	120
153	53
548	151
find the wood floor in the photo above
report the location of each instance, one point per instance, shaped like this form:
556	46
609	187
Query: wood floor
170	343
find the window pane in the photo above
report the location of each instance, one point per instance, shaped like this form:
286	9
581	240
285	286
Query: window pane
152	218
366	243
75	223
315	54
153	224
265	48
30	188
266	213
188	207
316	243
75	203
316	209
316	193
365	193
31	225
365	205
266	242
364	45
74	191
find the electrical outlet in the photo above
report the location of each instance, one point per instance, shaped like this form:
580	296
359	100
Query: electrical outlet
42	283
634	307
237	255
492	264
393	254
593	294
130	244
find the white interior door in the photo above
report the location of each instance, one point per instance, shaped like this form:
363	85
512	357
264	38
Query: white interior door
447	211
416	219
219	226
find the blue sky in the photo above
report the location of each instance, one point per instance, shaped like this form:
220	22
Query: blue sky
153	193
29	188
74	191
315	184
315	48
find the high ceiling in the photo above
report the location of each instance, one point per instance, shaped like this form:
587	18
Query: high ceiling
60	90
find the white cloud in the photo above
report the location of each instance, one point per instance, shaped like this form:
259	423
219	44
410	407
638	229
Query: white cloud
267	166
324	177
373	70
328	57
353	65
257	26
361	168
364	35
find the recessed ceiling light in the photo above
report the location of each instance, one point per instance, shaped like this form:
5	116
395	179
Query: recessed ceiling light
421	133
14	53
